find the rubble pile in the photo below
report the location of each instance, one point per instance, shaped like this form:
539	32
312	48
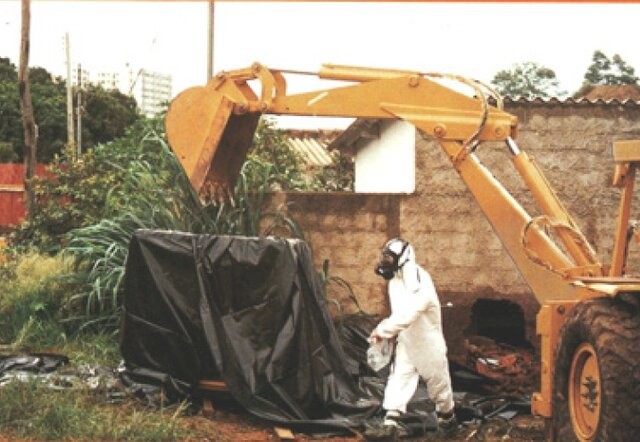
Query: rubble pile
515	370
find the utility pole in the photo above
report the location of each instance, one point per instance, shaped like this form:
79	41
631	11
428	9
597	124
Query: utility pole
79	111
210	30
70	135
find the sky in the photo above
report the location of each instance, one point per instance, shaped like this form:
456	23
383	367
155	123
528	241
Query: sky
471	39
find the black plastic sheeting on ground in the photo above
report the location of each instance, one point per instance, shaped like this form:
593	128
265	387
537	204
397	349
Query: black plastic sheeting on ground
34	363
250	312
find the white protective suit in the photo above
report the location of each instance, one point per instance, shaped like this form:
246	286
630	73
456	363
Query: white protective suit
421	350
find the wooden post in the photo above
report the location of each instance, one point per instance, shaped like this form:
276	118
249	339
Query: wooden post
26	106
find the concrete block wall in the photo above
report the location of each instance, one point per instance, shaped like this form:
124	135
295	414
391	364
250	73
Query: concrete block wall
570	141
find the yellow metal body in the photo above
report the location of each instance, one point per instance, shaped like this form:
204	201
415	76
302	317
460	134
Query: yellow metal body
210	129
549	321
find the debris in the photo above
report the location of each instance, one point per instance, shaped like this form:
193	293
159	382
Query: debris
512	368
284	433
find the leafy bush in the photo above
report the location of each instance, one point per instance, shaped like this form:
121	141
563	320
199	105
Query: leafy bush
149	190
81	193
339	176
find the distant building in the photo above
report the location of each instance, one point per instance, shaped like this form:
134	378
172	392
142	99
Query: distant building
151	90
155	92
84	74
108	80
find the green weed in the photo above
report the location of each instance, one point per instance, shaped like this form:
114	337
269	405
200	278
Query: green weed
33	294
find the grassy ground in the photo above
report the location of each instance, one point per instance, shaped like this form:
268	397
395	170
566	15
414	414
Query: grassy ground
33	411
34	302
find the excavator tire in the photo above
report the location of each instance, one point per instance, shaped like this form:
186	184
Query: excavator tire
596	382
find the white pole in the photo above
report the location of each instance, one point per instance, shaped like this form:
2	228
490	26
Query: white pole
79	110
210	30
70	135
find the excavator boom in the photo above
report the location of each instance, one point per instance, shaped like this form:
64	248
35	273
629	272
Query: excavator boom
210	128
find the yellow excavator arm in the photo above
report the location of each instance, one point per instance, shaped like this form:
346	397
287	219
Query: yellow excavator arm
218	120
210	128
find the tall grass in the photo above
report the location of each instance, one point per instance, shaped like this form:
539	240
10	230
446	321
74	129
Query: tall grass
158	195
32	298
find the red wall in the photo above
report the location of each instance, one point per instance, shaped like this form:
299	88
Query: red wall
12	210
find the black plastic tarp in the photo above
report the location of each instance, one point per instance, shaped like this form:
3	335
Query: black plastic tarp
248	311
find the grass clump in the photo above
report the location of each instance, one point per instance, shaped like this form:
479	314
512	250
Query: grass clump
31	410
33	291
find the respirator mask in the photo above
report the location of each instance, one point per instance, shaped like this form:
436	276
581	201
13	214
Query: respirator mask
390	260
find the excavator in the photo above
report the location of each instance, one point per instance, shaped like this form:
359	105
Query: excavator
589	319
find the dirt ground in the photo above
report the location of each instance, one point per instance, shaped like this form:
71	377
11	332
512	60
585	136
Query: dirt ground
236	425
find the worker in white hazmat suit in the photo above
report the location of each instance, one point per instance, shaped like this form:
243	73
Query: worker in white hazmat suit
421	351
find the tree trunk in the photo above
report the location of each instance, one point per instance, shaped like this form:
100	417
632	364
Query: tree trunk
26	106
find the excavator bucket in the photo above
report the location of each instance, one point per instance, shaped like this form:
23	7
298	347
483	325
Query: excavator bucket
210	141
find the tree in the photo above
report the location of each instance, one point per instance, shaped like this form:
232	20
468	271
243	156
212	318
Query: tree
10	118
26	106
616	71
527	79
605	71
105	116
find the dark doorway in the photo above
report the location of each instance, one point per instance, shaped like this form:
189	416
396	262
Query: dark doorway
500	320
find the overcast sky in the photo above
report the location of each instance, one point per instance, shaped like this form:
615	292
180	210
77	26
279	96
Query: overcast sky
473	39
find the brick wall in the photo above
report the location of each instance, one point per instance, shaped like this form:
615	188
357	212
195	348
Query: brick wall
570	141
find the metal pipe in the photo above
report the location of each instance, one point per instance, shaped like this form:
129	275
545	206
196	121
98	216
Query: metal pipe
354	73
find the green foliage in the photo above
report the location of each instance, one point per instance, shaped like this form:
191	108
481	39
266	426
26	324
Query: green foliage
105	114
271	155
7	154
11	121
100	348
613	71
75	196
606	71
91	208
338	176
527	79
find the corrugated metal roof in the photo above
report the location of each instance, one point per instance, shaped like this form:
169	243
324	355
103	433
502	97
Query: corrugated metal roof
312	151
361	128
312	145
